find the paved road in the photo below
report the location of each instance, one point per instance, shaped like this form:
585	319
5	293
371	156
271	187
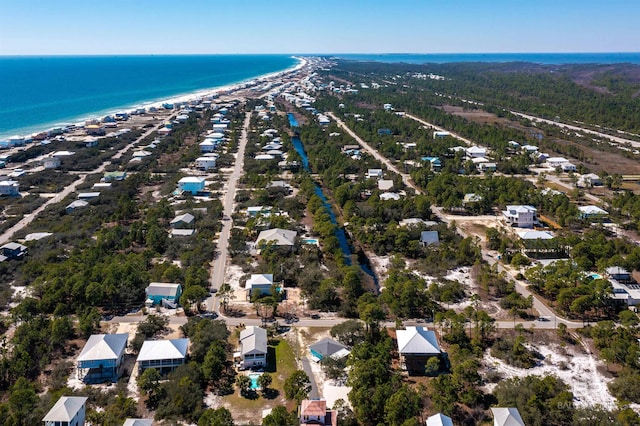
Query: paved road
521	287
220	261
6	236
616	139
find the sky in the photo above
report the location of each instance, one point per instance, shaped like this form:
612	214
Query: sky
91	27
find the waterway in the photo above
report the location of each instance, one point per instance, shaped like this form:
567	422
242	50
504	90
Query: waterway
340	234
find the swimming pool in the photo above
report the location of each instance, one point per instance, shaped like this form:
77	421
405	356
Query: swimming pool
310	241
254	380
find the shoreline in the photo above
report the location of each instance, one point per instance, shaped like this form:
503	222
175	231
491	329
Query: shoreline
148	103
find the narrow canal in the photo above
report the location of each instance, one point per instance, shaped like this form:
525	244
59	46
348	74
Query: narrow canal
340	234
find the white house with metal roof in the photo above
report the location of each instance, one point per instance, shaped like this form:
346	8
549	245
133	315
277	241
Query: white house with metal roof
520	216
278	237
67	411
253	347
506	416
439	420
101	358
415	346
138	422
185	219
165	355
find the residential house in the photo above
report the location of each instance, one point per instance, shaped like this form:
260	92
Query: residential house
101	358
259	284
254	211
94	130
138	422
520	216
385	184
164	355
592	212
182	221
387	196
374	173
277	237
530	149
13	250
439	420
191	184
471	198
208	145
323	120
589	180
387	107
9	187
568	167
67	411
264	157
535	235
163	293
416	221
440	135
506	416
90	142
476	152
415	346
280	184
205	163
436	164
429	238
177	232
618	273
51	163
76	205
556	162
514	144
253	347
328	347
315	412
88	195
114	176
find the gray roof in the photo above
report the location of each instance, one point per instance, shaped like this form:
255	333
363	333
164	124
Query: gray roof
163	349
439	420
138	422
65	409
503	416
417	341
281	237
162	289
327	347
76	204
616	270
184	218
104	346
253	339
14	246
429	237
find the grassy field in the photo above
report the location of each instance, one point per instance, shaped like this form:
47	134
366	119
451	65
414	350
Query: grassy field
281	364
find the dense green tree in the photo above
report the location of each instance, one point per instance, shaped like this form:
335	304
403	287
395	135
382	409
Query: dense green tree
297	386
218	417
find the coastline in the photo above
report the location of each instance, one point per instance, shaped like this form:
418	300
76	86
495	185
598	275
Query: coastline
156	102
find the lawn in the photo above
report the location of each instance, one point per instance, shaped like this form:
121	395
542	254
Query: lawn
281	364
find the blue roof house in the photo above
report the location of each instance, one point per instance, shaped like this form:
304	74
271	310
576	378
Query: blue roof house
101	358
435	162
191	184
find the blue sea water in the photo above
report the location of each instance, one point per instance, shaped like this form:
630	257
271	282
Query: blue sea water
537	58
39	92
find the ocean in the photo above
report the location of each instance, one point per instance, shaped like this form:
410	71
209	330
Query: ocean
537	58
37	93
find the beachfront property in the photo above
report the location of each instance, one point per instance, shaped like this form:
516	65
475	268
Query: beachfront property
163	355
67	411
101	358
439	420
506	416
77	204
94	130
276	237
205	163
191	184
253	347
9	188
163	293
13	250
315	412
328	347
415	346
520	216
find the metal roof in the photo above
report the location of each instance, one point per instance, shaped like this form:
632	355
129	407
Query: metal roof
503	416
163	349
104	346
65	409
417	341
253	339
327	347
